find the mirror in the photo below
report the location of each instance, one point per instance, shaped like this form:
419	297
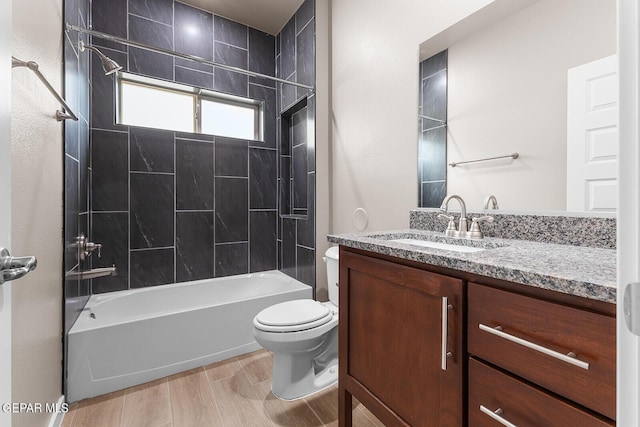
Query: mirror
506	93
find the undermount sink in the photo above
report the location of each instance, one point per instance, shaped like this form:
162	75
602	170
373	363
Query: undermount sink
438	245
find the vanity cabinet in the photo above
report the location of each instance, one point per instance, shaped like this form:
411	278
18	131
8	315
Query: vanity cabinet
421	345
565	351
400	343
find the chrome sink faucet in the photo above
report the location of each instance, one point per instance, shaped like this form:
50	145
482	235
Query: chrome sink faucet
463	227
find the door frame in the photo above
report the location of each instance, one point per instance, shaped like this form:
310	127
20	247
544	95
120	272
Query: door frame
628	234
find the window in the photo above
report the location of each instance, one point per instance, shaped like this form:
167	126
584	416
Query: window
153	103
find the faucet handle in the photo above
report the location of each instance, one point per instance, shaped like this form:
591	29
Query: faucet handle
451	230
474	229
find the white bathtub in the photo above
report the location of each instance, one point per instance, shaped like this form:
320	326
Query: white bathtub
126	338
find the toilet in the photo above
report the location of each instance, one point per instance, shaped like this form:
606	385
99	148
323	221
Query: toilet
303	336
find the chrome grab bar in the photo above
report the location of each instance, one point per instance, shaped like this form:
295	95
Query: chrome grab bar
33	66
496	415
568	358
12	268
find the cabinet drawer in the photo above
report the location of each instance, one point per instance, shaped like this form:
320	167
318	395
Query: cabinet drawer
531	338
519	403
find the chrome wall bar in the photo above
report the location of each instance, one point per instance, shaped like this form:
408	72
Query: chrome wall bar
70	27
33	66
513	156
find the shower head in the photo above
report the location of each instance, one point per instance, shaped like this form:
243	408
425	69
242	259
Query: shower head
108	65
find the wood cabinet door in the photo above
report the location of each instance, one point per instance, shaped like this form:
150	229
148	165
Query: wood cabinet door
393	357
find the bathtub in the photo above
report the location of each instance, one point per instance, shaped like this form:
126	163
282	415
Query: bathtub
126	338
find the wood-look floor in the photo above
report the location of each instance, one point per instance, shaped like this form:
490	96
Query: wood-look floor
234	392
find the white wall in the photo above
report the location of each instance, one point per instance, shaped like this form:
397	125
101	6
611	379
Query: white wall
5	208
375	56
507	93
36	139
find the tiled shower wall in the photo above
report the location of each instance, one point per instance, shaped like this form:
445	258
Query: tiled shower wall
432	144
76	156
170	206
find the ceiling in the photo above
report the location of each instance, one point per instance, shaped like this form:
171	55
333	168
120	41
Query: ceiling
269	16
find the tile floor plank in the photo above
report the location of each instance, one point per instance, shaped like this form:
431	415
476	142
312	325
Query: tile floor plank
147	405
257	365
101	411
237	402
223	369
191	402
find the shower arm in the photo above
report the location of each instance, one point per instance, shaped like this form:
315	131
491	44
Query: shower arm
71	27
33	66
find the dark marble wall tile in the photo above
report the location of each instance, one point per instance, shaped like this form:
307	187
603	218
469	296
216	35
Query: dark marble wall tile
152	210
230	32
299	166
288	49
72	211
84	163
228	81
110	16
193	35
305	56
152	267
288	247
268	96
232	210
305	271
434	93
263	240
434	64
110	171
285	185
288	94
194	245
151	150
433	150
112	231
262	56
157	10
304	14
231	259
263	176
194	175
194	78
433	193
299	127
232	157
306	230
150	63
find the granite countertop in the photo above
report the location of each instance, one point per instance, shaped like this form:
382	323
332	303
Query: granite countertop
576	270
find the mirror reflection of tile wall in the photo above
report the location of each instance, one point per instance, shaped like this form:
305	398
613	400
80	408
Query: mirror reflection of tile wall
432	138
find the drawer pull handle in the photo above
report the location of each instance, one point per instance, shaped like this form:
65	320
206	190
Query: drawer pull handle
496	415
445	332
568	358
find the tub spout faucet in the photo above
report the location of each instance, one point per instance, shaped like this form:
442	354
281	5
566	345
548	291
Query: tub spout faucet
463	227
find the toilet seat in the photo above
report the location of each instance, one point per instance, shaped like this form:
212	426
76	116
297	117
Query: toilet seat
293	316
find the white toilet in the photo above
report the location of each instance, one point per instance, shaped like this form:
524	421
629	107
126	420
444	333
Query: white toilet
303	335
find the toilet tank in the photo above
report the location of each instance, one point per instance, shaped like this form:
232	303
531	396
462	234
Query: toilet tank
331	259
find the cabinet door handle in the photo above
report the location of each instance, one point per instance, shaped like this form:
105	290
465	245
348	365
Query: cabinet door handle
497	415
445	331
568	358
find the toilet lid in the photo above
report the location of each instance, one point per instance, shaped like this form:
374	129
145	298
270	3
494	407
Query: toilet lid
292	313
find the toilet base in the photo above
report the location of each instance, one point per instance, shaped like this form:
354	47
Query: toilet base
294	378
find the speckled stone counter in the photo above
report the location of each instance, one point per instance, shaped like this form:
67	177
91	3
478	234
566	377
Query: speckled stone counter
582	271
578	229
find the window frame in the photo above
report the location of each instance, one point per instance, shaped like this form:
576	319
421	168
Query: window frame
199	95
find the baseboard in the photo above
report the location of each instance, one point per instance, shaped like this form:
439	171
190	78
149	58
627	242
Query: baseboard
57	417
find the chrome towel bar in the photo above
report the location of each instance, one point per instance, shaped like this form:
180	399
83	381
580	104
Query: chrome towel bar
33	66
513	156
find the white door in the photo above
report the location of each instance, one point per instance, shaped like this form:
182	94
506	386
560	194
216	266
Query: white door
5	206
628	344
592	136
